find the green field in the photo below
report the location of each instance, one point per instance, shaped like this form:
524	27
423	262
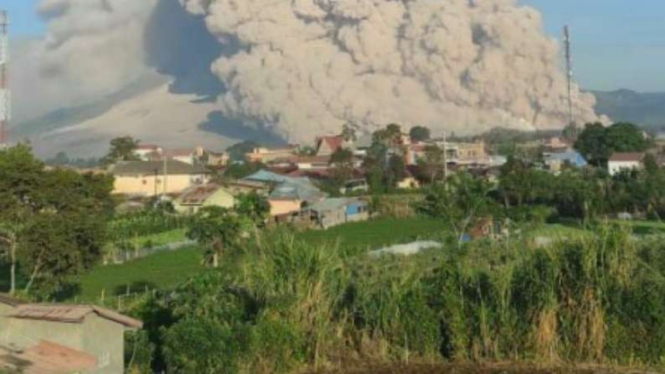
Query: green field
376	233
159	271
167	269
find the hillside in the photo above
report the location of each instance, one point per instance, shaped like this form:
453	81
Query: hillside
647	109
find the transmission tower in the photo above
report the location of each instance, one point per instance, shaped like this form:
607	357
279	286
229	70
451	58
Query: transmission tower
569	74
5	94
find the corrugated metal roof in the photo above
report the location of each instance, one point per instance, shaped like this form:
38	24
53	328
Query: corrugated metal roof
334	204
70	314
173	167
46	358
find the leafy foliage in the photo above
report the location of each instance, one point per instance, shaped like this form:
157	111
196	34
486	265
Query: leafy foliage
419	133
597	143
122	149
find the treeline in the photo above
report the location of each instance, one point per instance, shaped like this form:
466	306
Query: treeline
584	193
52	223
280	305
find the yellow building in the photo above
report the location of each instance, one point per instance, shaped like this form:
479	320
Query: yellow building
152	178
198	197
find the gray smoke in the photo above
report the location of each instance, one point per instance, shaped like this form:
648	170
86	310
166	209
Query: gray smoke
92	49
307	66
304	67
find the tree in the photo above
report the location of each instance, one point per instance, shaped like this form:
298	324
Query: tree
521	184
431	166
419	133
54	221
626	137
238	151
396	171
461	203
342	167
597	143
216	229
349	131
122	149
241	170
254	207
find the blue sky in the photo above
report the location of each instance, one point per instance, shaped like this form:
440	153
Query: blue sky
617	43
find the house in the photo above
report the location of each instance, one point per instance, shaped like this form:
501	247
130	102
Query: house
197	197
624	161
327	145
336	211
292	197
215	159
152	178
265	155
145	152
241	187
556	160
290	194
54	338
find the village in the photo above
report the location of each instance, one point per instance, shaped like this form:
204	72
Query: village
292	177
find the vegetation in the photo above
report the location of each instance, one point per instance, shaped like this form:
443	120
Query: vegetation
157	270
282	304
419	133
53	221
597	143
122	149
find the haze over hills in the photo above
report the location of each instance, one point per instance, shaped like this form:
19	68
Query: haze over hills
148	111
646	109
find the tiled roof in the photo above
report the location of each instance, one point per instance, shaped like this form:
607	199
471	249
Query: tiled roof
173	167
146	147
334	142
46	358
70	314
198	194
627	157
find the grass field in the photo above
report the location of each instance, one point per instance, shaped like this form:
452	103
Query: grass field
377	233
159	271
167	269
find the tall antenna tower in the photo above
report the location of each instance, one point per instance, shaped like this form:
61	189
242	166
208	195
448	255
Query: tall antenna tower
569	73
5	96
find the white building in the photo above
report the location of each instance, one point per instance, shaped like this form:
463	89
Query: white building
625	161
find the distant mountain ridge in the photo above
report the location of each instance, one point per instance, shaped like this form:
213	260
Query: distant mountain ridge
645	109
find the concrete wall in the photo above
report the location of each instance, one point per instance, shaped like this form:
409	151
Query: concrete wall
332	218
279	207
104	340
144	185
615	167
97	336
24	333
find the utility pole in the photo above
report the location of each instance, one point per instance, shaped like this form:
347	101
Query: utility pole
165	157
5	95
569	74
445	158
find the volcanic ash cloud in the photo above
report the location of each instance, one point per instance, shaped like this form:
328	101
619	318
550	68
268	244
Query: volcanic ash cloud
307	66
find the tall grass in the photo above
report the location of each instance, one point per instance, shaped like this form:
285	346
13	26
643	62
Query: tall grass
282	305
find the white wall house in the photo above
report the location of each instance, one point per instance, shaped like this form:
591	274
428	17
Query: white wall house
624	161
